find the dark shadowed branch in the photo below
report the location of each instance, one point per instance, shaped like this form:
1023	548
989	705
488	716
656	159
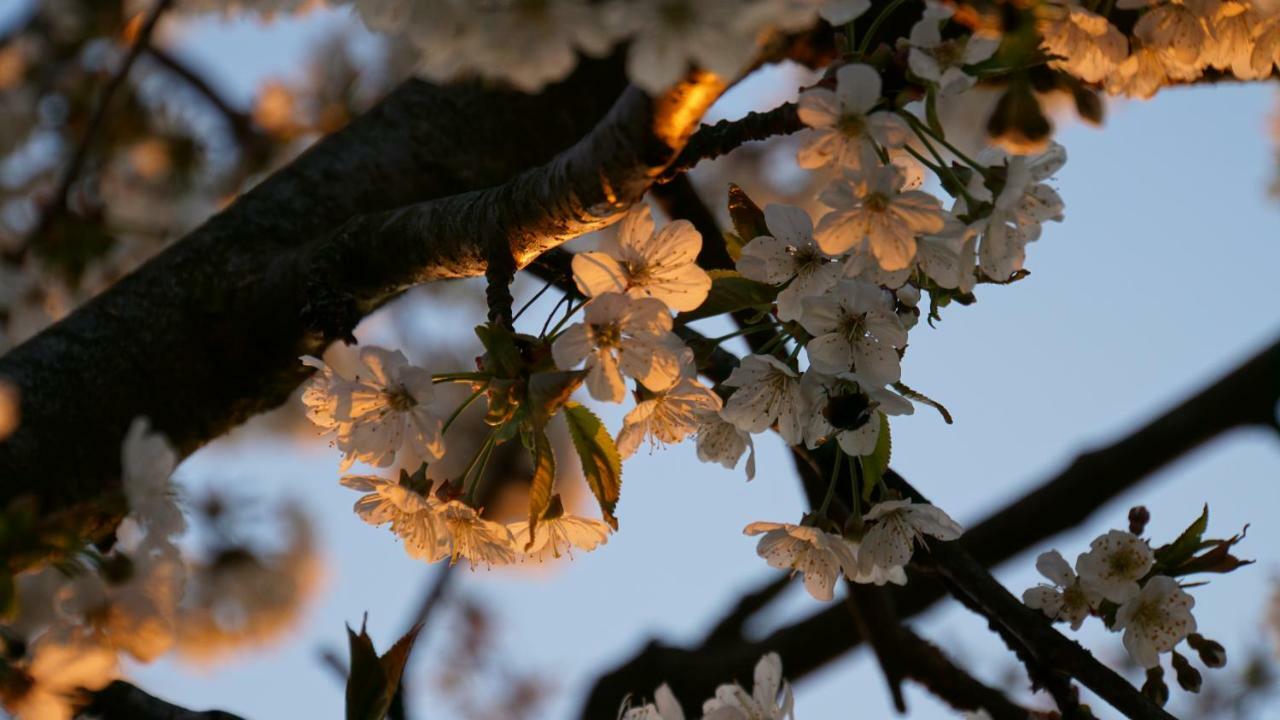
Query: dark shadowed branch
122	701
1245	397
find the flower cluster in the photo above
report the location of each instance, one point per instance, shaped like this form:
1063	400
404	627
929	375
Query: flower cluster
144	598
1170	42
769	699
1134	588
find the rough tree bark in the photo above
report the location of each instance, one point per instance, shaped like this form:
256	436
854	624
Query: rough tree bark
208	333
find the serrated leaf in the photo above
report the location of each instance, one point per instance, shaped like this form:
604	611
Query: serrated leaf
549	391
748	218
544	476
601	463
875	464
730	292
1186	544
367	696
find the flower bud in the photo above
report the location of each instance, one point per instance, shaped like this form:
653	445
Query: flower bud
1212	654
1189	678
1139	516
1154	688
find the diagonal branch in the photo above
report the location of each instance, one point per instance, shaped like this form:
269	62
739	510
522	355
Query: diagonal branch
122	701
1244	397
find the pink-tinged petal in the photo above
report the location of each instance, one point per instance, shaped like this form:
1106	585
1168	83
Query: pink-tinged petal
766	259
596	273
877	362
841	230
818	108
857	87
818	148
682	288
571	347
604	380
790	224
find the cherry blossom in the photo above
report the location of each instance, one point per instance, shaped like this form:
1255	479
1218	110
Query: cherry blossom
942	62
770	699
414	517
767	392
894	526
377	415
844	131
668	416
620	335
667	38
1155	620
848	409
472	537
854	327
871	213
1090	47
642	263
820	557
148	461
789	256
1067	598
720	441
559	535
1116	561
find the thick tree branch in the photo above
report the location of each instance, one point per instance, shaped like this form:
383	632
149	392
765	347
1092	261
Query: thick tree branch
712	141
208	333
1246	396
928	665
122	701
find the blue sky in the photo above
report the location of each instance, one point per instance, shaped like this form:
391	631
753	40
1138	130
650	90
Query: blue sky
1161	278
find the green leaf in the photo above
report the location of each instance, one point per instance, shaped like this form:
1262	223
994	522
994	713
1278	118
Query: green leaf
875	464
733	244
367	696
730	292
549	391
1186	545
748	218
601	464
373	681
501	354
544	476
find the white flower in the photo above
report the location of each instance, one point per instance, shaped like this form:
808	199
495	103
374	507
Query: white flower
1230	43
1067	598
894	527
839	12
668	417
52	677
1091	48
770	699
870	213
854	327
664	707
1114	564
620	336
1155	620
789	255
375	416
643	263
843	130
530	44
767	391
1174	31
848	409
821	557
558	535
414	517
720	441
942	61
670	36
1023	204
147	462
470	536
1141	74
136	613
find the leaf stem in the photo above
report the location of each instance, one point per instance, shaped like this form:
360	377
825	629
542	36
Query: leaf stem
875	25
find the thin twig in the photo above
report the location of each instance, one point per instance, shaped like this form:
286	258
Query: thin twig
712	141
101	110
